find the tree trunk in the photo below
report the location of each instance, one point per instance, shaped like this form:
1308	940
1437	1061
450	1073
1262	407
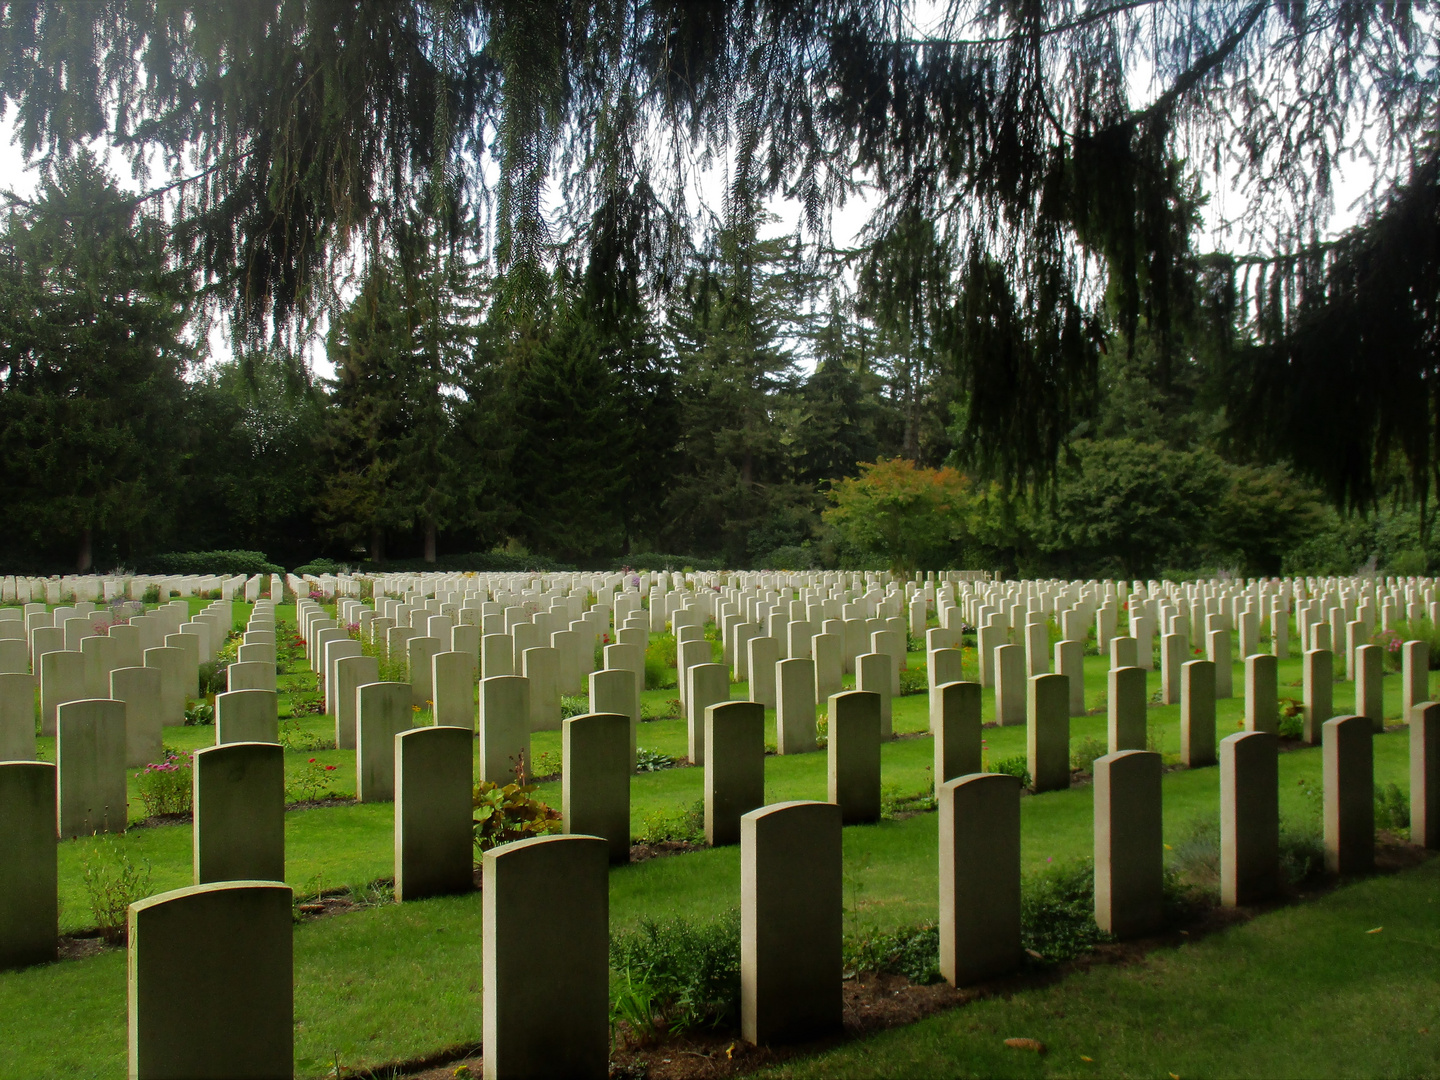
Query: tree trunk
377	544
86	559
429	541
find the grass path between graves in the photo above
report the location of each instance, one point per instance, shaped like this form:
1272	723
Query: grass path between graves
1306	991
401	981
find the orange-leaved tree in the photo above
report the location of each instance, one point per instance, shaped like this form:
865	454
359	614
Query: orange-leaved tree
897	510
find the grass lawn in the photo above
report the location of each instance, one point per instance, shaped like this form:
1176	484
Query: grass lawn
400	981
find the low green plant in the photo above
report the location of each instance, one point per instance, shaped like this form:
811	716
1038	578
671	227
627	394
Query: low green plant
151	595
294	738
312	782
1392	808
678	974
113	881
647	760
660	662
504	813
1302	852
1057	912
201	714
672	709
683	826
1292	718
165	786
1015	765
213	677
1086	751
573	705
895	803
545	763
913	952
914	680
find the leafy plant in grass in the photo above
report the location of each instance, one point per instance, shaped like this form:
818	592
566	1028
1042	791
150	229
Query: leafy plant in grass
573	705
510	812
684	826
293	737
213	677
913	952
647	760
1392	808
914	680
312	782
165	786
1015	765
677	974
200	715
1057	912
1302	852
670	710
660	657
1393	639
895	803
1084	755
1292	718
112	883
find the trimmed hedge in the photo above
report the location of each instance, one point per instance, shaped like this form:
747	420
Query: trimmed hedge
210	562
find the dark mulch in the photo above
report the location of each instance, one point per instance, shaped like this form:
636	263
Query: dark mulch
316	804
662	849
156	821
84	944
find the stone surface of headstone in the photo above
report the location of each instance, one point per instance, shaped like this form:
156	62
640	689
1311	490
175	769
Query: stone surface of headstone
541	667
1318	682
452	681
706	685
1197	713
420	651
1414	676
1070	662
979	876
872	674
546	970
1126	702
434	824
1262	689
504	728
90	754
17	717
734	767
595	785
795	710
247	716
1249	818
1217	651
1369	667
791	912
613	691
250	676
62	679
351	673
764	655
1129	847
239	812
139	688
1172	656
1425	774
211	985
1047	733
29	901
382	711
1124	653
1010	685
1349	794
853	756
957	732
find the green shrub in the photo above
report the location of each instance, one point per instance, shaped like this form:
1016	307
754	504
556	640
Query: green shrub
507	813
211	562
112	883
165	786
1292	718
1084	755
151	595
647	760
660	659
317	567
684	826
312	782
1302	852
913	952
914	680
201	714
1392	808
670	710
573	705
1057	912
680	972
1393	640
213	677
1016	765
302	742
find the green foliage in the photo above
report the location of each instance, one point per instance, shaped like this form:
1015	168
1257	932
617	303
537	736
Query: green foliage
1016	765
1392	808
913	952
299	741
647	760
895	803
1083	756
684	826
510	812
214	677
1057	912
894	509
573	705
211	562
165	786
1292	718
201	714
914	679
681	973
113	881
317	567
312	782
660	660
670	710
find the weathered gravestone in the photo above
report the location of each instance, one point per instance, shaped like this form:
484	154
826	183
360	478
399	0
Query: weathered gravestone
504	727
979	876
139	689
1414	676
239	812
1197	713
853	756
595	784
29	901
351	673
1129	848
1349	794
1424	722
90	753
434	825
1126	703
706	685
872	674
1369	690
421	651
1318	683
17	717
171	664
14	657
791	911
613	691
546	971
247	716
62	679
452	678
250	676
734	767
211	983
382	711
1047	733
1070	662
795	708
1010	697
956	726
1262	702
763	661
1249	818
541	667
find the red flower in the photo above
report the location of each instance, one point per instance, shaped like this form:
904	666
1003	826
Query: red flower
312	761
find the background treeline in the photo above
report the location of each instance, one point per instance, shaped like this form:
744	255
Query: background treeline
704	417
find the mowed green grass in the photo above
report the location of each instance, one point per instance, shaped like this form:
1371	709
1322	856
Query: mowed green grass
401	981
